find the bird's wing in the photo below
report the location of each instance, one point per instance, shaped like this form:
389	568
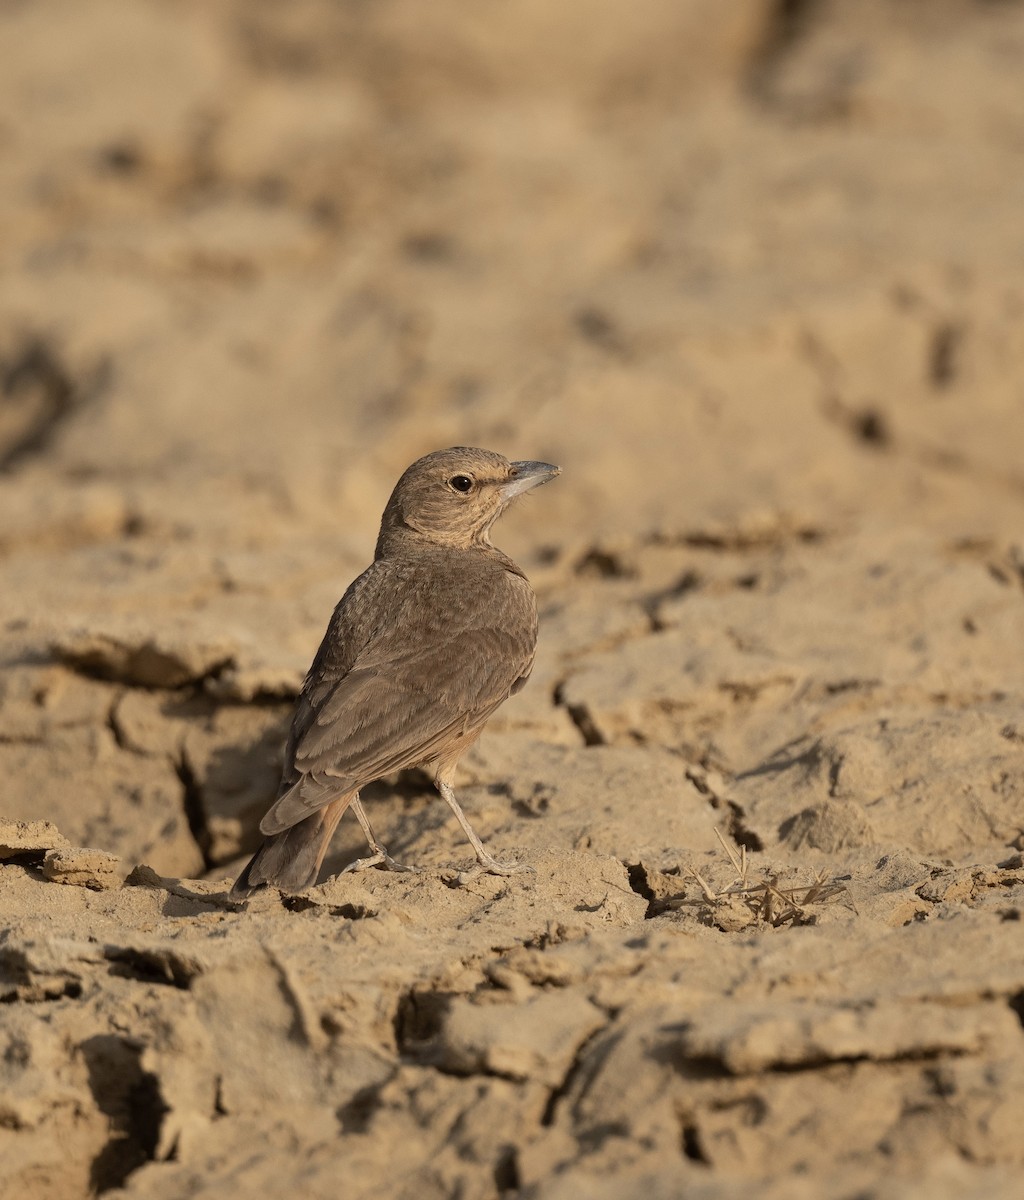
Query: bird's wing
400	703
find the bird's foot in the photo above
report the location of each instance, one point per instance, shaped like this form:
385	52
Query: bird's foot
487	864
380	859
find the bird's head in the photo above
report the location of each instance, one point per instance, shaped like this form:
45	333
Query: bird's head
453	497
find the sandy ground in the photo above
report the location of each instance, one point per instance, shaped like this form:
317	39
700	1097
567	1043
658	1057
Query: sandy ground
753	274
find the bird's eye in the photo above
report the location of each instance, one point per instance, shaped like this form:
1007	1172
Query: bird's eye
461	483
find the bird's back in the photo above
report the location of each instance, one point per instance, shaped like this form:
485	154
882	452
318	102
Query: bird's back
423	646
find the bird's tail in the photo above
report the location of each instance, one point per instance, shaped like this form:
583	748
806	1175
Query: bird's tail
291	860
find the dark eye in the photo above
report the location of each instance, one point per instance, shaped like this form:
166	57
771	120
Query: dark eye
461	483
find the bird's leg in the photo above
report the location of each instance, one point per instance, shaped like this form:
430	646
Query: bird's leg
487	862
380	856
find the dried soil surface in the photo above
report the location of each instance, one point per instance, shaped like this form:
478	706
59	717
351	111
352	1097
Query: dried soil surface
753	274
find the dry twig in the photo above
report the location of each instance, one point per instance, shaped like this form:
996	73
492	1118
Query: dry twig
766	901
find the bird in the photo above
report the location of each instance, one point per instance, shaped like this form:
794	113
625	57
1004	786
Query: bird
420	651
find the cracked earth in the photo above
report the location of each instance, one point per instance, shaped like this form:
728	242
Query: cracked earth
757	285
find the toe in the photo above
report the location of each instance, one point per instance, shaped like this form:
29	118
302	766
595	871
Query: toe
492	866
391	865
362	864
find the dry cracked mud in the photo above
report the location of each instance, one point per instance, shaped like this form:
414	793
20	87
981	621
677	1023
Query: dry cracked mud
753	274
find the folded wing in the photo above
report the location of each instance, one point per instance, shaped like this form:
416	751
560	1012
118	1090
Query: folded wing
392	711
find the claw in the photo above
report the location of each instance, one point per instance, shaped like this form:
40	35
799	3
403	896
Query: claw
489	865
380	859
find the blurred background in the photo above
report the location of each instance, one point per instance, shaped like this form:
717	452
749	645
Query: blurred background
735	266
257	256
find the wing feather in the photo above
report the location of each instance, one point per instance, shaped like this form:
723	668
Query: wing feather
398	701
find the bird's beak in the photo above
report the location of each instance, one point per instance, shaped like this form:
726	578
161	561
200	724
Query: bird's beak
526	476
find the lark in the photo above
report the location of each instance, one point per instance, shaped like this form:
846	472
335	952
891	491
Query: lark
423	647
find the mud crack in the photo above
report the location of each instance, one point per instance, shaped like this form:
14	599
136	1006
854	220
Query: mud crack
130	1097
39	393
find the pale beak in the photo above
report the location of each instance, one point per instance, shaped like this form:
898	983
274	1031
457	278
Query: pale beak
526	476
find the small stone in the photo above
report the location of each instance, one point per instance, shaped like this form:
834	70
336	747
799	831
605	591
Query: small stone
29	837
81	867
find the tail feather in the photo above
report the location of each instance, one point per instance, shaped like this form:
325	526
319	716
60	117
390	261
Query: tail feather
291	860
308	795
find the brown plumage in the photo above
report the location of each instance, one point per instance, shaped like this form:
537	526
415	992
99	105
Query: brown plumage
421	650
